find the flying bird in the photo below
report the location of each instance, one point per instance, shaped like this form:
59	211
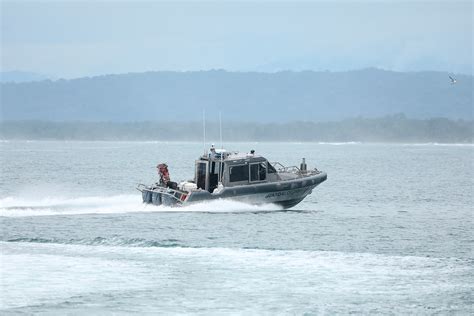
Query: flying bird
453	81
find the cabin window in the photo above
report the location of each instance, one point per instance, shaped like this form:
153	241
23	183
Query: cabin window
214	168
254	172
213	176
239	173
262	171
201	175
271	169
258	171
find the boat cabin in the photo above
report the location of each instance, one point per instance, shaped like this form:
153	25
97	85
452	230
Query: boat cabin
231	170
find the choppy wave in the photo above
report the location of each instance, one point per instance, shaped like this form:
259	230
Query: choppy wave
339	143
20	207
78	276
441	144
123	250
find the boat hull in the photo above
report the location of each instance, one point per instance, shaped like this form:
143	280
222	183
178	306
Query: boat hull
284	193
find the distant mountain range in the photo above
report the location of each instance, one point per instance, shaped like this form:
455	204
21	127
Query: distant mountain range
241	96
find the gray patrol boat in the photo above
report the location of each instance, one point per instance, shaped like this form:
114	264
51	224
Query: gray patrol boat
248	178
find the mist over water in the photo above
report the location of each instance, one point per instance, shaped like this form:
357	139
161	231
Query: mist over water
390	231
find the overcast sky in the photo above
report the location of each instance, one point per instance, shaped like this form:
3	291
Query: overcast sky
82	38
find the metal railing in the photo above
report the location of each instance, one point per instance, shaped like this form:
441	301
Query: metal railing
281	168
292	169
175	194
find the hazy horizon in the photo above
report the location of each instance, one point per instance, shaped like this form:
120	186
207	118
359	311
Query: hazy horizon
387	129
272	61
19	76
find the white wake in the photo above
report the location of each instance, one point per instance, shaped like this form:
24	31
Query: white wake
20	207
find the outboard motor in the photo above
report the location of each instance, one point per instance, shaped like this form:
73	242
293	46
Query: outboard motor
303	166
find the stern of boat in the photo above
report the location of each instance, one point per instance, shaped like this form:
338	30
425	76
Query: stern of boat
158	195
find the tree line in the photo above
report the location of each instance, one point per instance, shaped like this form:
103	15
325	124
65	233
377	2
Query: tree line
393	128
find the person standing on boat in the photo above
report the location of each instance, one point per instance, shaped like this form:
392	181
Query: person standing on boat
212	155
163	173
165	180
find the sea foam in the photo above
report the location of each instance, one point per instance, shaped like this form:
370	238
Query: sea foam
20	207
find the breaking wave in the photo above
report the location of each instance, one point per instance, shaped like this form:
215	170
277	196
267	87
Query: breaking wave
104	241
20	207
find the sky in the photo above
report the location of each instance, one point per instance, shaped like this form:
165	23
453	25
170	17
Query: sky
68	39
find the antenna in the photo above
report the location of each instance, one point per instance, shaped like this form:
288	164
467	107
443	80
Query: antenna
204	129
222	148
220	128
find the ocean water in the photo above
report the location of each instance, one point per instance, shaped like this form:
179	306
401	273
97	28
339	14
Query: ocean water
389	232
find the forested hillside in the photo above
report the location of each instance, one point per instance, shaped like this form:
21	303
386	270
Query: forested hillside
250	97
